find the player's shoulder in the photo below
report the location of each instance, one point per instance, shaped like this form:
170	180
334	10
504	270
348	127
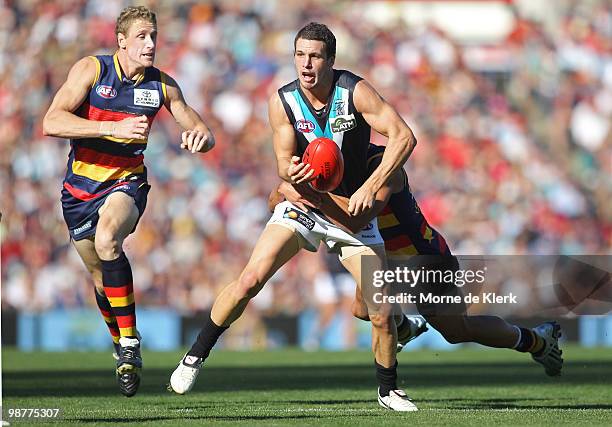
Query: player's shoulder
85	68
346	78
289	87
277	112
155	73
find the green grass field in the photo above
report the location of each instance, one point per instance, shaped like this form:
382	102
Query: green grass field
474	386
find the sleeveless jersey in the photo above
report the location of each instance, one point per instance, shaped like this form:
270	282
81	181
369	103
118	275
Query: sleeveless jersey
339	120
402	224
97	165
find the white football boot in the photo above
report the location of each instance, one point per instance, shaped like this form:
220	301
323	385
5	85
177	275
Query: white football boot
184	376
397	400
550	355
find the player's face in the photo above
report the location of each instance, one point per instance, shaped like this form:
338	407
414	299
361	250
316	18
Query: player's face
311	62
141	42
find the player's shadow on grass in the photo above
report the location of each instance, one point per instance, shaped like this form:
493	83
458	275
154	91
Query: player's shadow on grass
527	404
204	419
76	383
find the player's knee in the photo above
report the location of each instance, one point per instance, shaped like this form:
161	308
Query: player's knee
382	322
359	311
108	247
247	286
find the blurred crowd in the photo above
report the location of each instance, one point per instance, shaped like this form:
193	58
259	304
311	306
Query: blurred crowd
513	158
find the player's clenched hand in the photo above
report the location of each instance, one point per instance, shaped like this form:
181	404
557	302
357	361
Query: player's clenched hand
361	200
301	196
131	128
299	172
195	141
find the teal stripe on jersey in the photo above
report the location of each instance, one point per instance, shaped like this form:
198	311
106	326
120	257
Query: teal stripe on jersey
310	117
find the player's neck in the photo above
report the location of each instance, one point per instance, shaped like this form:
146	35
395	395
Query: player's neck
319	95
129	70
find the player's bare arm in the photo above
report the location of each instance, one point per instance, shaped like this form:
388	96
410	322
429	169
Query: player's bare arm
299	195
196	136
384	119
290	167
60	120
336	208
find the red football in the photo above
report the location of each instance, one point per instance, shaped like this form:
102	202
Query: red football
325	157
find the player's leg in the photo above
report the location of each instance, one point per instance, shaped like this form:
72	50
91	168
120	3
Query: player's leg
456	326
117	218
384	331
409	327
276	245
87	251
492	331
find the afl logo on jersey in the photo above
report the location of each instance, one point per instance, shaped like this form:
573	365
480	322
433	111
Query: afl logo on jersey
304	126
106	92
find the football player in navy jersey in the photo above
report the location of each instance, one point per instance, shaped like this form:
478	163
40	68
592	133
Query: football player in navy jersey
337	104
106	107
410	240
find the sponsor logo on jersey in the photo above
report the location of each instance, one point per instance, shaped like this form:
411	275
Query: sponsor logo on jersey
342	123
300	217
339	107
304	126
369	226
146	97
106	92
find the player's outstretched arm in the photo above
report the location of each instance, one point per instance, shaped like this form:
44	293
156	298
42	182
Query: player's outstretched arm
61	121
196	136
383	118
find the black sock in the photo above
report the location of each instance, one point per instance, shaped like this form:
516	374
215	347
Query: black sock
527	340
387	378
207	338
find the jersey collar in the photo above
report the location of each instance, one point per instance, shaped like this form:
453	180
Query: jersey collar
139	77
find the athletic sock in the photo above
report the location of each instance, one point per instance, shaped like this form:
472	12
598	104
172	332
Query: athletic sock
403	328
387	378
207	338
119	290
529	341
107	314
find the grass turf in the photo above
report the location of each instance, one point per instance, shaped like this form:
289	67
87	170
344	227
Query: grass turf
471	386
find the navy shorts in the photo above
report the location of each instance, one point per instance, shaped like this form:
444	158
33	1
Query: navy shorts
82	216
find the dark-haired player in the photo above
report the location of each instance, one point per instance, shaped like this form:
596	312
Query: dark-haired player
341	106
106	107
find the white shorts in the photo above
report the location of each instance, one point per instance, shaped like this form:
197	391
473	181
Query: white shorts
314	228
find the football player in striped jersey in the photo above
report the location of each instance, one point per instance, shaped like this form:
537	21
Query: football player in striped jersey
106	108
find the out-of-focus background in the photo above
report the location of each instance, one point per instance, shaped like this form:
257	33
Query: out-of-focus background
510	101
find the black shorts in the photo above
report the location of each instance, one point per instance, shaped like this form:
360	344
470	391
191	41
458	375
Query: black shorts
82	216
